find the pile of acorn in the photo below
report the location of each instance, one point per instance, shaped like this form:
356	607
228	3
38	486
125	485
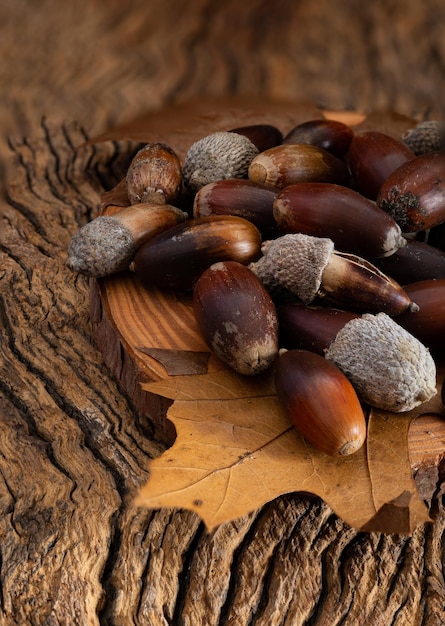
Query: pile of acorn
320	253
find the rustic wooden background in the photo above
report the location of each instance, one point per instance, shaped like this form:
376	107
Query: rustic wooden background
73	452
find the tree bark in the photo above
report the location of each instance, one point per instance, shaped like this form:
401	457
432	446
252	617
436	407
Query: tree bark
74	449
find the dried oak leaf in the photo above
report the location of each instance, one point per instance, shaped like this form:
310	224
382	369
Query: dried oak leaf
235	450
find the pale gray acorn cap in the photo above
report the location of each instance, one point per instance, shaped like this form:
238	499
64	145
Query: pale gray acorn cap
218	156
388	367
101	247
295	264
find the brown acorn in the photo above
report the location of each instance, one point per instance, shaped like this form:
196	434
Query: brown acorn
175	258
414	262
320	402
310	327
263	136
414	194
292	163
331	135
241	197
354	223
372	157
154	175
236	317
302	267
428	323
108	243
388	367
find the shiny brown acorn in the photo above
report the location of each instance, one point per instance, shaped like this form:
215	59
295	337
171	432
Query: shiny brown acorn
428	323
372	157
175	258
299	266
389	368
263	136
354	223
241	197
331	135
320	402
292	163
236	317
414	194
154	175
310	327
350	281
414	262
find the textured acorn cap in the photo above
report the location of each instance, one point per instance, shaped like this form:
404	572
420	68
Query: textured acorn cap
423	138
87	253
294	264
389	368
218	156
108	243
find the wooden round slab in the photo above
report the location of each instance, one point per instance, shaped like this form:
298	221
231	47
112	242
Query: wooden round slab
147	335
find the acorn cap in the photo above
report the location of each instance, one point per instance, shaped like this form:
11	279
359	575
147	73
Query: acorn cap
389	368
87	253
423	138
108	243
218	156
307	256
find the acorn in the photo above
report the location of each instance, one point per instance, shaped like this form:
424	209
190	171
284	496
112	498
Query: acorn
241	197
416	261
175	258
320	402
263	136
292	163
108	243
388	367
331	135
116	198
154	175
372	157
310	327
425	137
236	317
305	267
414	194
428	323
354	223
398	372
217	156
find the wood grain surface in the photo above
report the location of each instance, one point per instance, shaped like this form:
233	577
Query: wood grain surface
73	449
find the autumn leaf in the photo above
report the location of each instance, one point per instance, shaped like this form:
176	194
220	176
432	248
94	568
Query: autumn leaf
236	450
